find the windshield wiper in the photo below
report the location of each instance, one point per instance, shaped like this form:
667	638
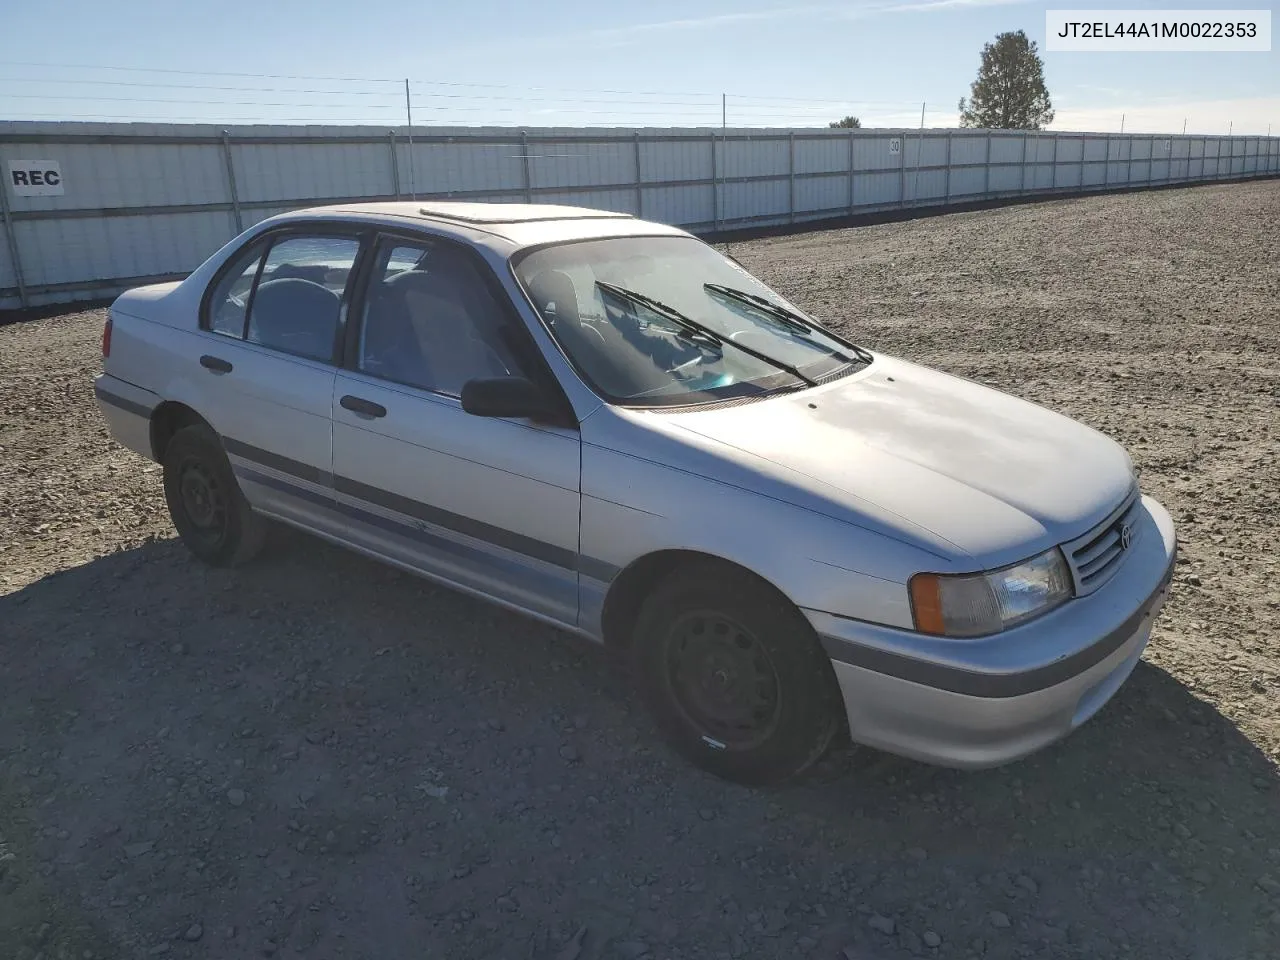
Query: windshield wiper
694	328
788	318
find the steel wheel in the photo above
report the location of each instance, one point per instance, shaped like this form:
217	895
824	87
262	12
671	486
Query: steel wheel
723	680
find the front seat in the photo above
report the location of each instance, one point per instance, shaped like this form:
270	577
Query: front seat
296	315
443	326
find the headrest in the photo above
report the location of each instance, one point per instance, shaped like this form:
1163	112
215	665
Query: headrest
554	295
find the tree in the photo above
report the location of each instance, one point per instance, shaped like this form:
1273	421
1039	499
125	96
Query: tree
1009	93
848	123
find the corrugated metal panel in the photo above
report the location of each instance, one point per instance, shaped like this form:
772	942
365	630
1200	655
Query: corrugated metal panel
680	160
828	155
1006	179
68	251
878	189
621	201
926	185
934	151
822	193
872	153
569	164
8	276
312	171
765	198
122	213
756	158
1006	149
679	205
969	150
968	180
439	168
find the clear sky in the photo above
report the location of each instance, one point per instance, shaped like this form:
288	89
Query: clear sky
574	62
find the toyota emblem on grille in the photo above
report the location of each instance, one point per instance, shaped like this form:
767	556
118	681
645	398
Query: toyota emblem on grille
1126	536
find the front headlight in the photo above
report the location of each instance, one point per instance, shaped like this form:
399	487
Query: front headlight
976	604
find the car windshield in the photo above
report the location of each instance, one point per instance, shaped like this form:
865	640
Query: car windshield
653	321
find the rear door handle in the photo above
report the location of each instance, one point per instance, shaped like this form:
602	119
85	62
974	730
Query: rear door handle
215	364
364	407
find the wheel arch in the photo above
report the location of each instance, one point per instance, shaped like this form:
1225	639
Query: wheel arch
628	590
166	420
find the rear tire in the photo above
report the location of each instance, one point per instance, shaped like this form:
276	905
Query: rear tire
734	675
208	510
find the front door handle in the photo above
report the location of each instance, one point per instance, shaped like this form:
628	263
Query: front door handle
215	364
363	407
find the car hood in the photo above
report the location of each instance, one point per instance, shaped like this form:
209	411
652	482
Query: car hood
996	477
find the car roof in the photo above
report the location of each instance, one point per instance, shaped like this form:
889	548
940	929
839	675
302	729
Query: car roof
521	224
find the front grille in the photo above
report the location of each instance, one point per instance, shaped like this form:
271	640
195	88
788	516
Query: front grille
1095	557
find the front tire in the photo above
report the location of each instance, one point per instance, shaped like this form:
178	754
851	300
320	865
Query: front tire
208	510
734	675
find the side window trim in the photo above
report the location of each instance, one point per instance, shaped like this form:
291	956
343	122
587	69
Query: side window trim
253	288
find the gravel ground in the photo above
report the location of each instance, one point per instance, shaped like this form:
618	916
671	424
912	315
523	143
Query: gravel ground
316	756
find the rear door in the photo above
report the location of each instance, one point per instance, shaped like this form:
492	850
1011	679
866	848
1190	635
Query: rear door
487	504
272	325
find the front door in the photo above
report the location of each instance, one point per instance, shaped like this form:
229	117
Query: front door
486	504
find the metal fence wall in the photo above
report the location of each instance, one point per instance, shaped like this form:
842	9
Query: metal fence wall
142	202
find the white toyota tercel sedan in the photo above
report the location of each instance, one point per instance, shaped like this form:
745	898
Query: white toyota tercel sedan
605	424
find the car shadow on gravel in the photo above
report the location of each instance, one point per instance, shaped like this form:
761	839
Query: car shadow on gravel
316	749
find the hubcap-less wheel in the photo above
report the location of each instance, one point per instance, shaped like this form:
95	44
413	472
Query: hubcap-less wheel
203	499
723	679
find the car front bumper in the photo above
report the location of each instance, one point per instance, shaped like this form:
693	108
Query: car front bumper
986	701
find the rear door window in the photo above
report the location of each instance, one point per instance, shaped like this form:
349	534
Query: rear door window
296	304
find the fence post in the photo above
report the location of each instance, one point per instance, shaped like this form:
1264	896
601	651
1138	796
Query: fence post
524	166
852	140
1022	178
715	180
231	181
947	189
1151	162
986	170
11	238
1106	162
902	169
1128	171
639	182
1053	183
1084	145
791	175
395	166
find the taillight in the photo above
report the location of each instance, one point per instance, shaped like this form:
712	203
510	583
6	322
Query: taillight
106	338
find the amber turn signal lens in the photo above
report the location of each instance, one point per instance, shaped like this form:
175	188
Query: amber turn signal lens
926	603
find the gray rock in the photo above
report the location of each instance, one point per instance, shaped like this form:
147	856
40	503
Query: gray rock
632	949
931	939
918	854
193	933
573	949
138	849
706	813
1269	885
883	924
1027	884
236	797
998	919
569	753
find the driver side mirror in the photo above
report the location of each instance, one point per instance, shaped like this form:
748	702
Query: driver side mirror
513	397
